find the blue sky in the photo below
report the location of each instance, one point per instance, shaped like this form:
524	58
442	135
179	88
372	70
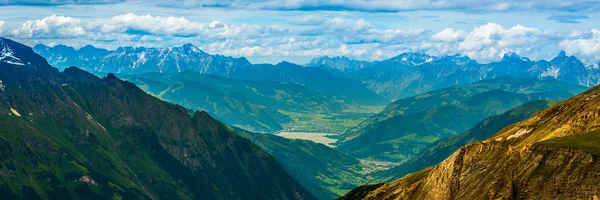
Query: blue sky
298	30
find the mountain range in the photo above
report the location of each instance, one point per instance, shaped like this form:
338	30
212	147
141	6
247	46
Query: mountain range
72	135
258	106
413	73
438	104
402	76
551	155
139	60
408	125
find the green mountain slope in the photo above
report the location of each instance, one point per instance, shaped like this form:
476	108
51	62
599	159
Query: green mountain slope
71	135
322	170
407	126
260	106
551	155
441	149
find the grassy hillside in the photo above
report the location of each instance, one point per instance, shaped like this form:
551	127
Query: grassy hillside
72	135
441	149
262	106
551	155
407	126
324	171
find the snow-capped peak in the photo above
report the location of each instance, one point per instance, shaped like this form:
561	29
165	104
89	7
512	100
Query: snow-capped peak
415	59
592	66
514	56
7	54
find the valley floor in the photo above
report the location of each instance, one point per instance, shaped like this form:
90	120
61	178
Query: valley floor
315	137
334	122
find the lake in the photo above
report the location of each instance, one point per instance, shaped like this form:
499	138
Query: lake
315	137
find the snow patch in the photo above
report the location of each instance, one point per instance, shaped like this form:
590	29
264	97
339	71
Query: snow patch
519	133
2	87
552	71
14	63
195	49
15	112
6	55
142	58
89	117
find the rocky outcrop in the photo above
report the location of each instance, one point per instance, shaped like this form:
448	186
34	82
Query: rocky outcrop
479	171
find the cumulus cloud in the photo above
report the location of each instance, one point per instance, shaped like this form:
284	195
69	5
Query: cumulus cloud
588	48
152	24
309	36
448	35
50	27
491	41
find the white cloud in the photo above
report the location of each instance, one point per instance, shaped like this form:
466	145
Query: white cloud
342	24
309	20
448	35
308	36
50	27
490	41
588	48
152	24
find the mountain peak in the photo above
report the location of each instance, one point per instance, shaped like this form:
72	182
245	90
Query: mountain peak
189	45
414	58
193	48
568	60
562	53
514	56
111	76
15	53
323	60
511	54
40	46
341	63
89	46
7	55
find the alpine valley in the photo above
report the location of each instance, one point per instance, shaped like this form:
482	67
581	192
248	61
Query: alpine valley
299	99
180	123
551	155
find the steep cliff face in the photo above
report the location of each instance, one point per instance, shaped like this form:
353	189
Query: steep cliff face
478	172
552	155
